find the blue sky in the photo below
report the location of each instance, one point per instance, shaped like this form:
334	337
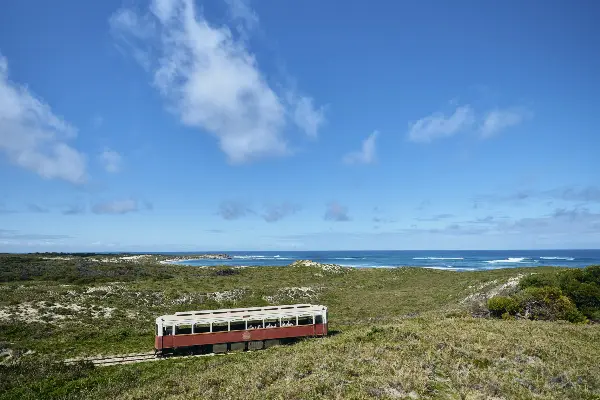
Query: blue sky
175	125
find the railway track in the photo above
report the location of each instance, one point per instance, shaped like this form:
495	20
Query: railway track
132	358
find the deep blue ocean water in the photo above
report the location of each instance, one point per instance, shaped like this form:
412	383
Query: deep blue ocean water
457	260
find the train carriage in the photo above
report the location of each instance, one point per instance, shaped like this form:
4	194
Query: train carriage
235	329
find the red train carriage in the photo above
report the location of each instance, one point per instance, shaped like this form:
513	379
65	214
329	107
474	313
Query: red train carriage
234	329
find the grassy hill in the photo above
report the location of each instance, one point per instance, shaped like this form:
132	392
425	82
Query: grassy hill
396	333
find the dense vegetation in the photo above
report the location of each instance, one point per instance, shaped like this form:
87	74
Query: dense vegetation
571	295
396	333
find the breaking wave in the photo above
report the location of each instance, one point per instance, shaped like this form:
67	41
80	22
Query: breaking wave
509	260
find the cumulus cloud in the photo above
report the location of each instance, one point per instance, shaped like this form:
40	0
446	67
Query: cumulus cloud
336	212
496	120
111	160
275	212
439	125
210	80
367	152
116	207
33	137
233	209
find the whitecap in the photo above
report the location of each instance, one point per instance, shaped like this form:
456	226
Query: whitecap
558	258
509	260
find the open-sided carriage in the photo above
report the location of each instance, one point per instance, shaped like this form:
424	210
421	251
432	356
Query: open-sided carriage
238	329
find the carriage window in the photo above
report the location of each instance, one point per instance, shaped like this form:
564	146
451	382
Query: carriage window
288	322
183	329
167	330
238	325
220	327
318	319
256	324
305	321
201	328
272	323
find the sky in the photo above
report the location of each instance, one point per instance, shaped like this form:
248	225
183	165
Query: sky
182	125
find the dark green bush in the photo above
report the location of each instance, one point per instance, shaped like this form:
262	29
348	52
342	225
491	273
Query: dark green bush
538	280
547	303
543	294
499	305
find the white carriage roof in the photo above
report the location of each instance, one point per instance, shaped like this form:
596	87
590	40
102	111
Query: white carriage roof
242	314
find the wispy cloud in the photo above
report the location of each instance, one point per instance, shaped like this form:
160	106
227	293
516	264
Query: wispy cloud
367	152
383	220
233	209
116	207
36	208
33	137
275	212
111	160
210	80
16	235
435	218
587	194
336	212
243	16
439	125
73	210
496	120
306	116
6	210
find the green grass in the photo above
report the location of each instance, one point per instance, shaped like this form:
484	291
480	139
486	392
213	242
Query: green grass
398	333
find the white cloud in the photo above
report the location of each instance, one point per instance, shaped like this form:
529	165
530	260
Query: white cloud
115	207
111	160
306	116
497	120
366	155
438	125
246	18
33	137
210	80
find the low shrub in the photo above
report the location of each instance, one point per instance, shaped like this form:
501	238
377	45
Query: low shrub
547	303
500	305
571	295
226	272
581	286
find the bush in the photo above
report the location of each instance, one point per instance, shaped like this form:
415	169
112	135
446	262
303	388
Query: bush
499	305
547	303
538	280
571	295
538	303
226	272
583	287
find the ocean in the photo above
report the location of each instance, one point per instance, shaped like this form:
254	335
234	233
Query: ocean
457	260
